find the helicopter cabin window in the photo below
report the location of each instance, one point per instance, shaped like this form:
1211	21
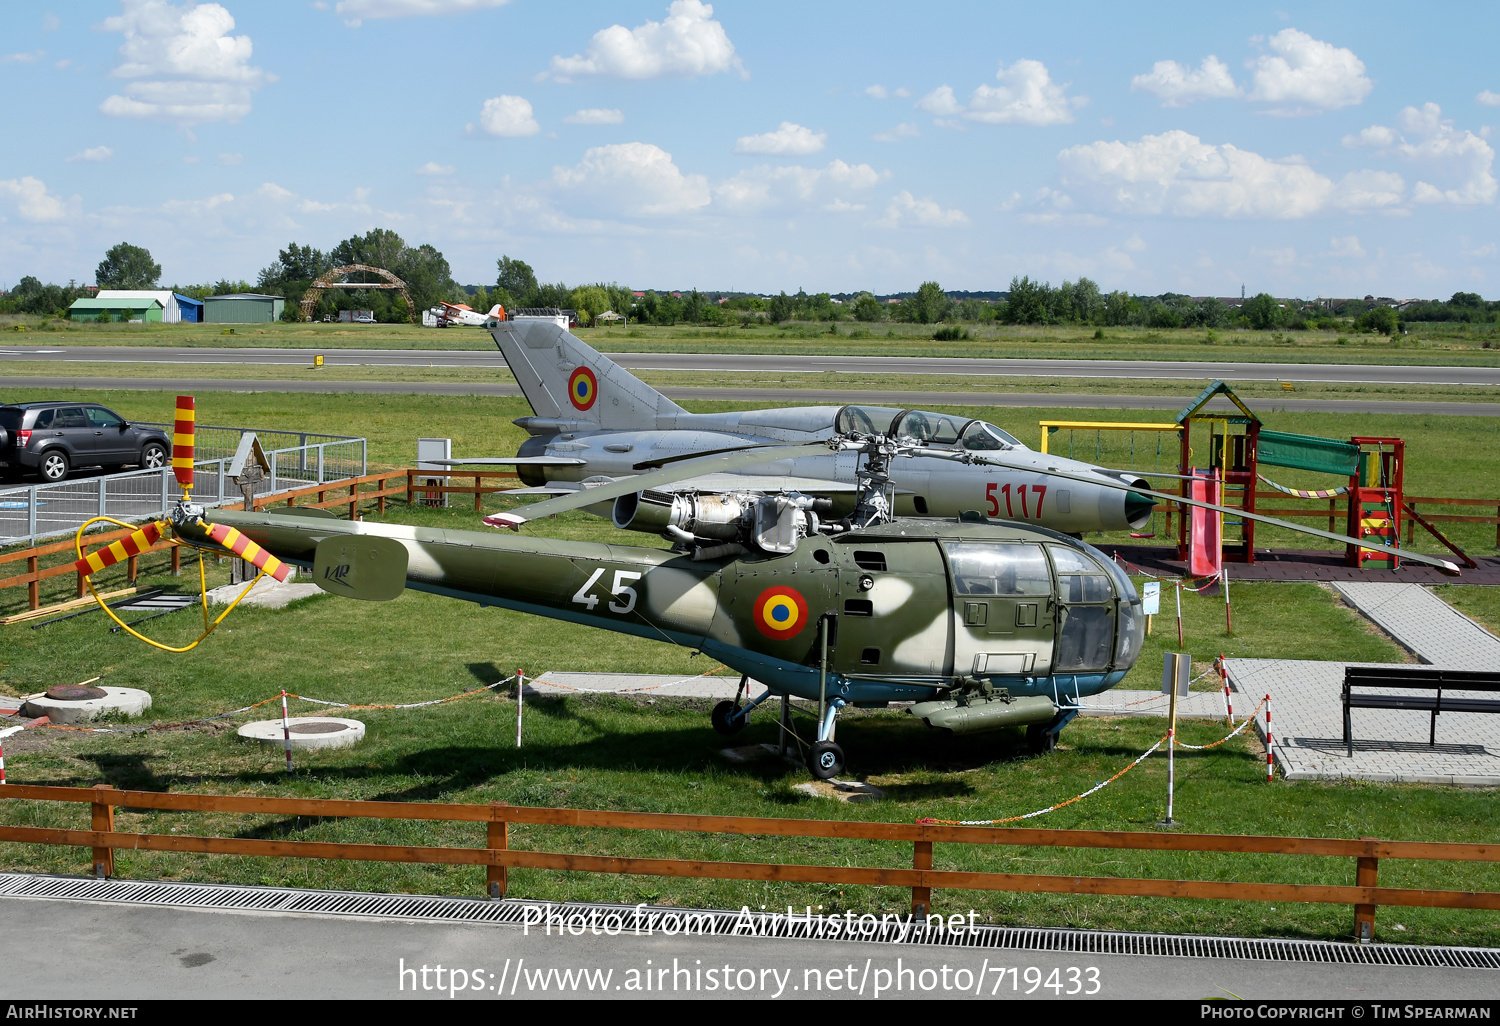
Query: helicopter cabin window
1086	635
869	560
995	569
982	437
922	426
866	420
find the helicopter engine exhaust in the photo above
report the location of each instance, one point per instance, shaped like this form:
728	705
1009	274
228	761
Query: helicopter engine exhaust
976	714
705	516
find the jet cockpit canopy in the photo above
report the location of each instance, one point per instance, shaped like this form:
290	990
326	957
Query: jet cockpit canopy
943	430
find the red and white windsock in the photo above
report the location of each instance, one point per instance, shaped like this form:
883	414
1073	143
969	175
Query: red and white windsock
247	550
136	544
182	443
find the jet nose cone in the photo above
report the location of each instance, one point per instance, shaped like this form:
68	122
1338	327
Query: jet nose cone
1138	507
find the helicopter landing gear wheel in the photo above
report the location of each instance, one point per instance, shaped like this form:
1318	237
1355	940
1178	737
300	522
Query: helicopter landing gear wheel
825	760
1040	738
725	721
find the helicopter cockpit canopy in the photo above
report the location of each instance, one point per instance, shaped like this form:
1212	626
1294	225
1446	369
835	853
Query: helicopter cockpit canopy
943	430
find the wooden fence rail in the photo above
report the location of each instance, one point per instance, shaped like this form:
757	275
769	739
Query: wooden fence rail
1365	895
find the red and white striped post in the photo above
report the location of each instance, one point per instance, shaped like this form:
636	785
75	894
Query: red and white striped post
1270	743
1228	698
286	732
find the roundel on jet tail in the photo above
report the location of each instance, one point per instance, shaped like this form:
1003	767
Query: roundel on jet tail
583	388
780	613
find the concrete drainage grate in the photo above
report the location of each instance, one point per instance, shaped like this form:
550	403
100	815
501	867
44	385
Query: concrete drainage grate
427	908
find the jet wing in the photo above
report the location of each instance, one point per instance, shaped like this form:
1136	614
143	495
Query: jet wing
761	483
519	461
540	490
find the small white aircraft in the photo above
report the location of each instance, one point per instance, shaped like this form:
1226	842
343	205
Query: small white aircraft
447	314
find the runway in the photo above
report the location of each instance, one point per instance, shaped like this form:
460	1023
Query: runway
760	396
1388	374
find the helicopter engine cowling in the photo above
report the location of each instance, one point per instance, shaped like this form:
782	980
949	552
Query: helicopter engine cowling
746	520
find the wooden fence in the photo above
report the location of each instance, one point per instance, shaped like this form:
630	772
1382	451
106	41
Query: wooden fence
1365	894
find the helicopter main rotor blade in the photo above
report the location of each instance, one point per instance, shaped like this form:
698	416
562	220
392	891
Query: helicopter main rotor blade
1440	564
588	496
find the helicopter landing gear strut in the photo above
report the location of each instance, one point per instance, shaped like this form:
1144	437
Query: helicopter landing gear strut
729	718
825	760
1042	737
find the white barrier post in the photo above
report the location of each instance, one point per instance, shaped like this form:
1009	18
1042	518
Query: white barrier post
520	691
1175	677
1228	620
286	732
1228	698
1179	614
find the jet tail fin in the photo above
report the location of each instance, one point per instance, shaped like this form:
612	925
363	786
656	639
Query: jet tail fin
564	378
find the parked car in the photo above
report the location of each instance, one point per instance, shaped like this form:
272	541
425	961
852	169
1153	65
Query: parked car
51	439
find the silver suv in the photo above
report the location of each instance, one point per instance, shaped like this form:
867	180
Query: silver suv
50	439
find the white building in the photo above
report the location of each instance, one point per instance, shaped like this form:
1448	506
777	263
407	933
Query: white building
171	309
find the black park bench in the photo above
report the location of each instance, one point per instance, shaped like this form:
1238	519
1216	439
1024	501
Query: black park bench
1417	678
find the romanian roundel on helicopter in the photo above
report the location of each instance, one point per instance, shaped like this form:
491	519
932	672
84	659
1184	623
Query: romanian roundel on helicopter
583	388
780	612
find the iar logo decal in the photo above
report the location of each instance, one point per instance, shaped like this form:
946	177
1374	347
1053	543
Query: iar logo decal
780	613
583	388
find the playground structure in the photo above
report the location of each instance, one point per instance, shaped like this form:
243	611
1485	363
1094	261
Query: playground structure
1221	456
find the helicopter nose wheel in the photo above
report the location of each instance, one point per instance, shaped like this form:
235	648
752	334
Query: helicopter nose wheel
726	719
825	760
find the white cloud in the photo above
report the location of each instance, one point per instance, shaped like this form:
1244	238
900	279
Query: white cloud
33	202
877	92
633	179
1178	85
354	10
1489	99
1026	95
940	102
22	58
1178	174
904	209
1345	247
50	23
1461	162
96	155
508	117
905	130
790	140
687	43
1308	71
433	169
826	187
595	116
230	159
185	65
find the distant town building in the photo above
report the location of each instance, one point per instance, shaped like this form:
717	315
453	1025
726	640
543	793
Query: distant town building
243	308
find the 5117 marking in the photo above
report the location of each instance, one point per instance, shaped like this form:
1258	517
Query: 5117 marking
1040	491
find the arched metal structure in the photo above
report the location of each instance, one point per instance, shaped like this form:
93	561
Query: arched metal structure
327	281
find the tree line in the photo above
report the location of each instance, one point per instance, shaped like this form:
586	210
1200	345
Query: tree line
429	281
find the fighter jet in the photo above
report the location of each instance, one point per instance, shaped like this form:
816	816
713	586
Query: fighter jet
595	422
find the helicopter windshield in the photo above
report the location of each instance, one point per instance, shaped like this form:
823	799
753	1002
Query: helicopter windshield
989	569
866	420
923	426
982	436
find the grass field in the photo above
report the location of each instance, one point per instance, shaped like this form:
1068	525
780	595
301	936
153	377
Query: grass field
1425	345
660	755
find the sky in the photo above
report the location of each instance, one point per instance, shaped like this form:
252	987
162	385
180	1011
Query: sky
1334	149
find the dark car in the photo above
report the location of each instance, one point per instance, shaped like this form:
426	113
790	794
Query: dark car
52	438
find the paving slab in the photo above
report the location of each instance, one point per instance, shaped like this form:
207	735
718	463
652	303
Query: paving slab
1198	705
648	685
1424	624
1390	744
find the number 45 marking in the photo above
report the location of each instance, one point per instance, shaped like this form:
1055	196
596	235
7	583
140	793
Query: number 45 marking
621	589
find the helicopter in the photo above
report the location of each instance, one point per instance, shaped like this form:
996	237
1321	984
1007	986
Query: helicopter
980	623
595	421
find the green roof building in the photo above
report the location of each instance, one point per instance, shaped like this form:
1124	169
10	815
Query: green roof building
243	308
135	311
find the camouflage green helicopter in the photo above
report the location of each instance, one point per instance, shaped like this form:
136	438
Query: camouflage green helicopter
981	624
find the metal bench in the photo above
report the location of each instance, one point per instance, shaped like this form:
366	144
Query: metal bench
1417	678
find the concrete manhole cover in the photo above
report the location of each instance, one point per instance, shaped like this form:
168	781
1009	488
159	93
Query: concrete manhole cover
75	693
322	727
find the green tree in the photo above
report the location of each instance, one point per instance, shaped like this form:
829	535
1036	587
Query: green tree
590	301
867	308
781	308
518	279
1119	308
930	304
1028	301
1088	303
1262	312
127	267
693	307
1378	318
